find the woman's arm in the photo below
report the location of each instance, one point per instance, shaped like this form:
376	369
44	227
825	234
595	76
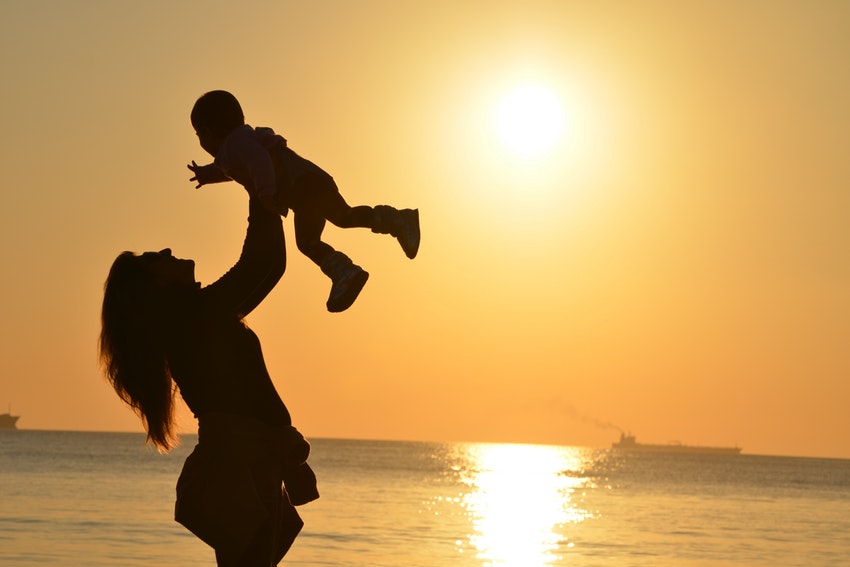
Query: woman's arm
259	268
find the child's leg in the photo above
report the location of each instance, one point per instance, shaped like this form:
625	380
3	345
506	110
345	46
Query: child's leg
308	236
332	206
348	278
402	224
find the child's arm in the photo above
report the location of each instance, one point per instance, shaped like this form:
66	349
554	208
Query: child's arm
206	174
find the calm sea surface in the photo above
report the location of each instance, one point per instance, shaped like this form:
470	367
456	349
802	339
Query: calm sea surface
103	499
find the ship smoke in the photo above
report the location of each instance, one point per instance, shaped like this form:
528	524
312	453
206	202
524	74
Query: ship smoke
573	413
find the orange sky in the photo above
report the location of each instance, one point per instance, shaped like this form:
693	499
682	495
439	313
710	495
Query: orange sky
677	266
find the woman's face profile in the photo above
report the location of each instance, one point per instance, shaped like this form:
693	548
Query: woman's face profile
168	270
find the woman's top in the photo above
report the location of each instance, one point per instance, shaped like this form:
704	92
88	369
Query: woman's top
214	358
230	485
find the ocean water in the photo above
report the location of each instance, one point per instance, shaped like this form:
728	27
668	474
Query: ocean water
104	499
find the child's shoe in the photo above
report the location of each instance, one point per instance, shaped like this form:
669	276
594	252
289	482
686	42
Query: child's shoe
402	224
348	279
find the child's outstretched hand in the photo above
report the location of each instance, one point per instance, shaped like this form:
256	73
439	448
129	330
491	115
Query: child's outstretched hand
205	174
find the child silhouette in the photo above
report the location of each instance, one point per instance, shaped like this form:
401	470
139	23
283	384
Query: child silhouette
260	160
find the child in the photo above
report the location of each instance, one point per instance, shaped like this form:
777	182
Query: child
260	160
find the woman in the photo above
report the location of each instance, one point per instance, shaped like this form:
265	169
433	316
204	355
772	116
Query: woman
160	328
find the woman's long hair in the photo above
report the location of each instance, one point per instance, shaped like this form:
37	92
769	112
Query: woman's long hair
132	346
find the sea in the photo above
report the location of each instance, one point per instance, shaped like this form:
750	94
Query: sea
81	499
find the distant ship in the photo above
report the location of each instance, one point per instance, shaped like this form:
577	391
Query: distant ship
8	421
628	443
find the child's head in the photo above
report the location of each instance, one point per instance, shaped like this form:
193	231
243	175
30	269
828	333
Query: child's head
216	114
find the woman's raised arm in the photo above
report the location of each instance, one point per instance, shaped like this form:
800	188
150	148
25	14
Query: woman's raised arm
259	268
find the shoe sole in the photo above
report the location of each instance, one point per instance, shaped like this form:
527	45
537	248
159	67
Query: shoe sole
411	251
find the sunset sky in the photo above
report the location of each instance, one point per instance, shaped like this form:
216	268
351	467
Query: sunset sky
664	250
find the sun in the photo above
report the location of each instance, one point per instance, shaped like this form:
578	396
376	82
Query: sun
529	121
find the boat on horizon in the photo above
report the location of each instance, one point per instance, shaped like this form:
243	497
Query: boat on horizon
629	443
9	421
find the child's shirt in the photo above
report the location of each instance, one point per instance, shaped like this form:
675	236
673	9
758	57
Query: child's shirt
246	157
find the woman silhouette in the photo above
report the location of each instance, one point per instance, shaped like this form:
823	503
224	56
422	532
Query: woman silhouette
161	329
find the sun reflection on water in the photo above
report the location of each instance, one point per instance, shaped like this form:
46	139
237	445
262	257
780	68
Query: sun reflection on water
519	496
